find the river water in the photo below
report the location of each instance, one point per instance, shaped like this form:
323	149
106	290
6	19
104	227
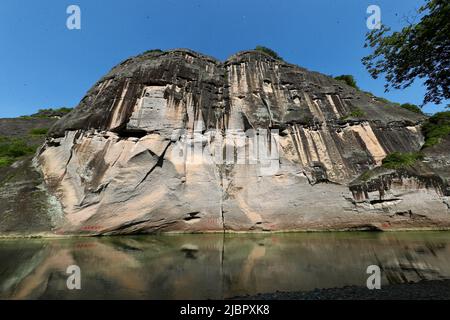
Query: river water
214	266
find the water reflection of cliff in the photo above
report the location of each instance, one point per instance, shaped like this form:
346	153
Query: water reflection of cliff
214	266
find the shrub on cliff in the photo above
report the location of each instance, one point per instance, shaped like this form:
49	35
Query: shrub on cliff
269	51
355	113
13	148
39	131
436	128
398	160
411	107
49	113
348	79
153	51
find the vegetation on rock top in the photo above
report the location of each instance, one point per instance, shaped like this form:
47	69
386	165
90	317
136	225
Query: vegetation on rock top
348	79
269	51
24	141
411	107
355	113
11	149
49	113
39	131
153	51
436	128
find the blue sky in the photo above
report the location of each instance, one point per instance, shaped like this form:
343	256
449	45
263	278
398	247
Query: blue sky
43	64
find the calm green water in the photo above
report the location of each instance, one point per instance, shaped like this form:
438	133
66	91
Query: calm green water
216	266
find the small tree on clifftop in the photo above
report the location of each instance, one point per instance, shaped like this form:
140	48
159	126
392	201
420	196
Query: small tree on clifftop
348	79
269	51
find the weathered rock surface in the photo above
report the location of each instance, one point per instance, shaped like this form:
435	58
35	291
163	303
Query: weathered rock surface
178	141
26	206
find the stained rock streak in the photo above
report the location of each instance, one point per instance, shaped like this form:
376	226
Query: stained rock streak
165	135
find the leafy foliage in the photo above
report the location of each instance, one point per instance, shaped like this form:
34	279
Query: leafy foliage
348	79
13	148
269	51
49	113
39	131
411	107
153	51
420	50
6	162
355	113
436	128
398	160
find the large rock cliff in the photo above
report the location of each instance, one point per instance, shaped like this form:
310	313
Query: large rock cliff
178	141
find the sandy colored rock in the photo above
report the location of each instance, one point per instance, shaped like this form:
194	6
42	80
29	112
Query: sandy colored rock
178	141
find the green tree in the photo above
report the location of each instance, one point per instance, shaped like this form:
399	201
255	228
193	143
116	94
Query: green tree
269	51
411	107
11	149
348	79
420	50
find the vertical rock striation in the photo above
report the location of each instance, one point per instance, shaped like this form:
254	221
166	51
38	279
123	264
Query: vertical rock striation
178	141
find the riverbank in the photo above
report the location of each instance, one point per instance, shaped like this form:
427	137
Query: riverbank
423	290
50	235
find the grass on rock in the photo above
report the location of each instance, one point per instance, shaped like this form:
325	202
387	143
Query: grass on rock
12	149
398	160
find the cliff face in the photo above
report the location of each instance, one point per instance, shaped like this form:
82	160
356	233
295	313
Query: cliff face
25	206
178	141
